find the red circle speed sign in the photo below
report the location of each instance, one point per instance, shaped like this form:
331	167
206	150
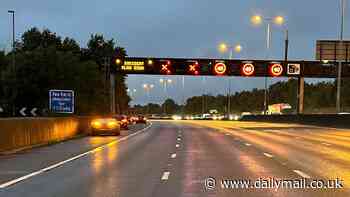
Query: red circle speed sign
220	68
276	70
248	69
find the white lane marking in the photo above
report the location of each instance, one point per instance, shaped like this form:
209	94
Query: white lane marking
165	176
173	155
247	144
14	181
326	144
302	174
268	155
177	145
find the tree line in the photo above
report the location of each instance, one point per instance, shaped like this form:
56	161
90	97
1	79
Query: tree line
45	60
318	97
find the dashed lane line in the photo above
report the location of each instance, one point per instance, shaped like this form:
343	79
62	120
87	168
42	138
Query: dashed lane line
165	176
268	155
302	174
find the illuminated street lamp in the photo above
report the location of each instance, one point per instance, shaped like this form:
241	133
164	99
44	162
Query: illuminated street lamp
165	82
277	20
131	91
148	88
223	48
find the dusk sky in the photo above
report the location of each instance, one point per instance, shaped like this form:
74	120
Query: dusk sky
182	28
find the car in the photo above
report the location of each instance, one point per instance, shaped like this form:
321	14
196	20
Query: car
105	126
123	121
141	119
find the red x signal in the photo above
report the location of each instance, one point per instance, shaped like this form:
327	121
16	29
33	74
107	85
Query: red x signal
193	68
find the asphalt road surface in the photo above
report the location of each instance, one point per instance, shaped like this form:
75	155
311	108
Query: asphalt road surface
183	158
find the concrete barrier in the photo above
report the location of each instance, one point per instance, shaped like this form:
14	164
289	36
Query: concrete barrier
17	133
328	120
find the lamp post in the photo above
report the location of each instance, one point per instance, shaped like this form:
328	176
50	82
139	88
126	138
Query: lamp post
12	12
224	48
148	88
342	17
277	20
165	83
131	92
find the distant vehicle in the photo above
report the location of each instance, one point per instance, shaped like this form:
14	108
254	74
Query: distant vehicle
217	117
176	117
246	113
197	117
123	121
188	117
206	116
105	126
234	117
141	119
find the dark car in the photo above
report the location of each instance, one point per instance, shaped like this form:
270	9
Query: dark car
105	126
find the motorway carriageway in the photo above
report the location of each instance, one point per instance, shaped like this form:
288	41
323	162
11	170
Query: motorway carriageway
173	158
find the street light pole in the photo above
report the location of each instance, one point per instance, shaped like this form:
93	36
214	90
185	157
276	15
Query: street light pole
278	20
338	102
268	44
223	48
13	62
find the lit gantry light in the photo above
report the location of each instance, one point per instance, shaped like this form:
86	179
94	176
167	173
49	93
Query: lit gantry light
256	19
223	48
238	48
278	20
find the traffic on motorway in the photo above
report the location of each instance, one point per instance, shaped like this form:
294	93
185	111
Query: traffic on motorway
177	98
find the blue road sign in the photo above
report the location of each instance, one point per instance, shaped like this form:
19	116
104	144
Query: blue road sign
61	101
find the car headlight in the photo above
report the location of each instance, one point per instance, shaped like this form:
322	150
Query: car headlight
96	124
175	117
112	124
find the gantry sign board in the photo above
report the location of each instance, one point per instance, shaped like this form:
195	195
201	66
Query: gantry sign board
333	50
224	67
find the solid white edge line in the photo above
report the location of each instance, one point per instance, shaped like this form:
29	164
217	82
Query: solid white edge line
14	181
302	174
165	175
268	155
173	155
